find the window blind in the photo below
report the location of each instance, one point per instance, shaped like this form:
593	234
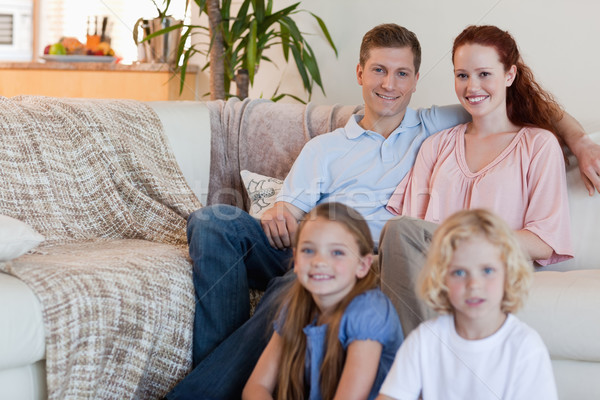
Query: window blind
6	29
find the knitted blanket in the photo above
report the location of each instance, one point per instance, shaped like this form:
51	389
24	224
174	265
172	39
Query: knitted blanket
262	137
97	178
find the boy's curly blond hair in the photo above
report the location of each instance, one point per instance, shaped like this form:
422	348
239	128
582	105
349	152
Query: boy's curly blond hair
459	227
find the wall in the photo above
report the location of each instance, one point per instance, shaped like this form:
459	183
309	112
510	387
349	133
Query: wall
558	40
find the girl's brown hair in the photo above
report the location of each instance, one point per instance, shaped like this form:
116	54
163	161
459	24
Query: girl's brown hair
526	102
299	310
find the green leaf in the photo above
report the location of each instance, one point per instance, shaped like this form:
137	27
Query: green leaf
182	72
182	41
293	29
251	51
267	59
162	13
310	63
242	21
277	98
285	38
259	10
263	39
325	32
202	28
302	71
279	15
225	9
293	97
201	5
162	32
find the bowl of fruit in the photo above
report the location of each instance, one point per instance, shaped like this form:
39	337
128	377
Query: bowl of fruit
70	49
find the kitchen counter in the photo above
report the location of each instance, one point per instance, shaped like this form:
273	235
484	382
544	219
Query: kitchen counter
91	66
142	81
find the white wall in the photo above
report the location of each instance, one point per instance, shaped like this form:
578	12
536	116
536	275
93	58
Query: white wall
559	40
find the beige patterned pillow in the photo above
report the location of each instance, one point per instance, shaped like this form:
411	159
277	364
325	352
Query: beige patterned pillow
262	191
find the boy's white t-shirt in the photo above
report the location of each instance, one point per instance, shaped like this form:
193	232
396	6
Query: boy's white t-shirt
436	363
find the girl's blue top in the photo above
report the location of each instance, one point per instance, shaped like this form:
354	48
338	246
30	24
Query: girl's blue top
370	316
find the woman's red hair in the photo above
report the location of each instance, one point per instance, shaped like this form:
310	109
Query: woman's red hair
526	102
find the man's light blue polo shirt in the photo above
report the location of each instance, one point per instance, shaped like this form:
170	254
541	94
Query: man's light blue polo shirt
362	168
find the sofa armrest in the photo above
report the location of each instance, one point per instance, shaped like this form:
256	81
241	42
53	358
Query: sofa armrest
563	308
22	337
585	221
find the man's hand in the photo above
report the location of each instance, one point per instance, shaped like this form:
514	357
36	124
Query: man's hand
280	223
588	158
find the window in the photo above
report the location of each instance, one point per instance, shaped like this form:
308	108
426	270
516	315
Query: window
76	18
6	29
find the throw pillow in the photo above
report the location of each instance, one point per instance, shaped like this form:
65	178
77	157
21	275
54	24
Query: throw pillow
16	238
262	191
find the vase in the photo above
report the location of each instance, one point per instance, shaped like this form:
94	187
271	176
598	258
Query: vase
163	48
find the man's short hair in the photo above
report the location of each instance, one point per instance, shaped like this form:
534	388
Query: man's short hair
390	35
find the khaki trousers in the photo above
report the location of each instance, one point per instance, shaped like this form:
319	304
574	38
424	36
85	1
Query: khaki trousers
402	251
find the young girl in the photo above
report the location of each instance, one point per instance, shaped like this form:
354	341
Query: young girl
506	160
477	276
336	334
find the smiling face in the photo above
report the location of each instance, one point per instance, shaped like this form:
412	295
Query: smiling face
327	261
480	80
475	283
388	80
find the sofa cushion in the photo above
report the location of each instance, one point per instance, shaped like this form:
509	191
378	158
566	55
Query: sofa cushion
114	311
16	238
563	308
262	191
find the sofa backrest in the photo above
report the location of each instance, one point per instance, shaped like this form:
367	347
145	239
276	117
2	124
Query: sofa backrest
187	127
262	137
266	137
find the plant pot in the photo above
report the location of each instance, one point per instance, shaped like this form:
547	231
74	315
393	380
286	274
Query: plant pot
163	48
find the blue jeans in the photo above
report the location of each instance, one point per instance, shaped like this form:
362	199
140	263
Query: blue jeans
223	374
230	255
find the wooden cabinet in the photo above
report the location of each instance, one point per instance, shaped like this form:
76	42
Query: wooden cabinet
144	82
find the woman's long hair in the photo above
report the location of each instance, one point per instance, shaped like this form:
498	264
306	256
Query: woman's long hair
526	102
299	310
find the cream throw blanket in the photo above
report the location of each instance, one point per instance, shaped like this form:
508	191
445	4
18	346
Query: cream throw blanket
97	178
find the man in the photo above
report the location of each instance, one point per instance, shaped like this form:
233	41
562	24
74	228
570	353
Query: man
359	165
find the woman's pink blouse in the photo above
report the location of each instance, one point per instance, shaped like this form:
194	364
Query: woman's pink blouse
525	184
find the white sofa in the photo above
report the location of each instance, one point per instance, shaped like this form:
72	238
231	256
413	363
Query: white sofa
22	333
563	305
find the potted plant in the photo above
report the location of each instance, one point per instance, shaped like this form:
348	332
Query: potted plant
161	35
236	43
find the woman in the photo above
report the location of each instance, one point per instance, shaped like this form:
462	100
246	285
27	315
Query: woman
505	160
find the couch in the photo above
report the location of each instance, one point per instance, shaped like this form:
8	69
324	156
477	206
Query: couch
211	143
